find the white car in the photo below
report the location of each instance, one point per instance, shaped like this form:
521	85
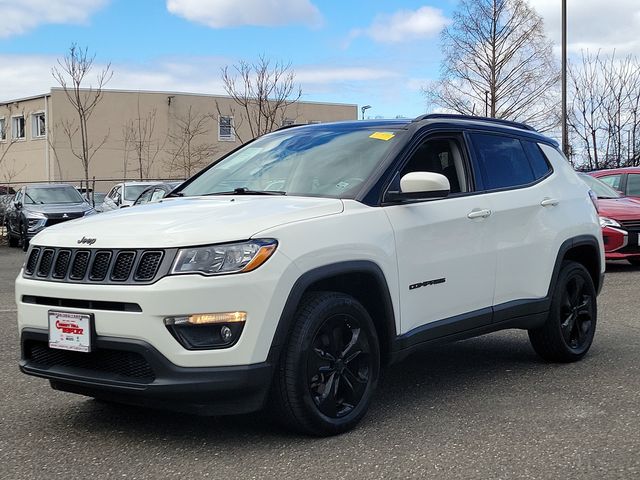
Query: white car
292	270
123	195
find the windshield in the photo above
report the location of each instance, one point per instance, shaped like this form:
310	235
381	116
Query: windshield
45	195
601	189
329	161
131	192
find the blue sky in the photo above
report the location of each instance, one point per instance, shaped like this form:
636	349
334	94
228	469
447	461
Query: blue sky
352	51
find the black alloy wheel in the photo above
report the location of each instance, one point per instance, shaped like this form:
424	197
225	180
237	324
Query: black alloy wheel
568	332
339	366
328	370
576	311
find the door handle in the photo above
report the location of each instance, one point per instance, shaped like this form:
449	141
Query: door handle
484	213
549	202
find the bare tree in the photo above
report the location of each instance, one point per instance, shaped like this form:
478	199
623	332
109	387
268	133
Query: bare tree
604	114
5	147
585	116
52	143
263	92
71	73
188	143
497	62
138	137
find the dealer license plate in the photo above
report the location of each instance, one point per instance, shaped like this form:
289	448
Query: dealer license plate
70	331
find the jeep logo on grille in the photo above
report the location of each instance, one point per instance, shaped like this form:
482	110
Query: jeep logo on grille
86	241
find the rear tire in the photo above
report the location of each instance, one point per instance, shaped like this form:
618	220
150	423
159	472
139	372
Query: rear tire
568	332
329	368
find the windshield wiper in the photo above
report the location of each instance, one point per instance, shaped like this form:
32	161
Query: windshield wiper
246	191
31	198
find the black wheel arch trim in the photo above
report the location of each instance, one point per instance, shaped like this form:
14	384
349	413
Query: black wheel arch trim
569	244
300	287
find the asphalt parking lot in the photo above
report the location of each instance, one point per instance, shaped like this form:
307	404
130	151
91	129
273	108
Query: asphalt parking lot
485	408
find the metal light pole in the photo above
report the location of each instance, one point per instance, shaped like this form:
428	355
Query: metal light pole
363	109
565	130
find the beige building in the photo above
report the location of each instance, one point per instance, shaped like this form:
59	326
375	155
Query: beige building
132	134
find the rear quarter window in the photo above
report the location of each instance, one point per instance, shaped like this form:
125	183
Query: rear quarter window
539	164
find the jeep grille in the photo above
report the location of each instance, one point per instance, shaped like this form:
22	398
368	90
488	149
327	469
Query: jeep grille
110	266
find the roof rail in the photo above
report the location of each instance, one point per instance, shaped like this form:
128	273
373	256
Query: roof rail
291	125
453	116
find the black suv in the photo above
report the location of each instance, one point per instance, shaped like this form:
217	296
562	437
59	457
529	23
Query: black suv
35	207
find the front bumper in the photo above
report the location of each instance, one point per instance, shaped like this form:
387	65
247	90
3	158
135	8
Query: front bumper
620	244
138	311
133	372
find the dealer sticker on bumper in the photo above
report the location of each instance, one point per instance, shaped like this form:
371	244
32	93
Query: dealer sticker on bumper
70	331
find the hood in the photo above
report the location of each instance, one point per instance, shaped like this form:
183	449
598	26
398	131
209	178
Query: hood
57	209
619	208
181	222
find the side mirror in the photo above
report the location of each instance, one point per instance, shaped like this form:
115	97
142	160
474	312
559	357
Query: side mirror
420	186
18	205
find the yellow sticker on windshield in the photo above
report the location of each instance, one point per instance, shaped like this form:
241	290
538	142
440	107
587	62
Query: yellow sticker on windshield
382	135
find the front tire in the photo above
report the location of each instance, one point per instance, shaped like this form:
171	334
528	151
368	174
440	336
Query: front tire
13	241
24	239
568	332
329	368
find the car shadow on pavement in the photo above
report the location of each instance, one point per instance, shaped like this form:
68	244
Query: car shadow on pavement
420	382
621	266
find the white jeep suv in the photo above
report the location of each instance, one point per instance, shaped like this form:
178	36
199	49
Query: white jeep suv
291	270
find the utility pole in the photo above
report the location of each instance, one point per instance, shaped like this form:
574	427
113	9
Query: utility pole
565	132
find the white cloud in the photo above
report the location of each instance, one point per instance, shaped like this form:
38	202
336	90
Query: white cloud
26	75
233	13
388	89
18	17
318	75
405	25
594	24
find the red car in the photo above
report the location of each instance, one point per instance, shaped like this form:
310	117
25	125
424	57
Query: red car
619	219
625	180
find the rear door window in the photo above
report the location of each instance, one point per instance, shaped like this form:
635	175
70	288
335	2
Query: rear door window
502	160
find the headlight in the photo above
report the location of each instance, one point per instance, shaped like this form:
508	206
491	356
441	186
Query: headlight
35	221
608	222
225	258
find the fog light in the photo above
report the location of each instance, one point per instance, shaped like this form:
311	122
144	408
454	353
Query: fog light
226	333
205	331
207	318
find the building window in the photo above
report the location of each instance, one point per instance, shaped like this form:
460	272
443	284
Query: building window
18	128
313	122
3	129
38	126
225	129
